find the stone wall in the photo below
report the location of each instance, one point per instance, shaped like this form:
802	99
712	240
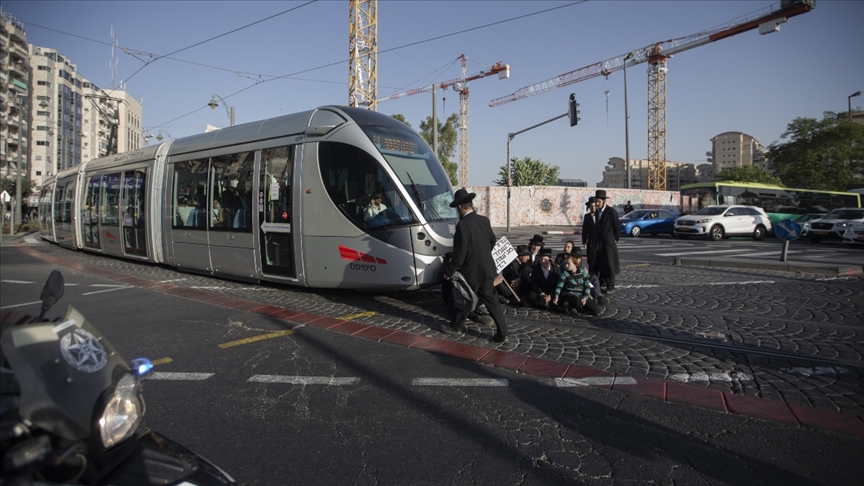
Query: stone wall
562	206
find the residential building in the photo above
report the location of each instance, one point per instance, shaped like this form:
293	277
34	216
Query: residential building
102	110
736	149
615	174
14	97
572	183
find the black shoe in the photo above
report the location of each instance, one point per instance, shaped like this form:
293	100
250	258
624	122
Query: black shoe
610	290
450	328
602	300
497	338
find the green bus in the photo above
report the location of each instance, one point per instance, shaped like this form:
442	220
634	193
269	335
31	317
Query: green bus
778	202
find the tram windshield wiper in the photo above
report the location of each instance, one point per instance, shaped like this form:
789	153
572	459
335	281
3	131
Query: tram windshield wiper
421	201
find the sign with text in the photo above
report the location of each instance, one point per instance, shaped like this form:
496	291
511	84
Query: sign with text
503	253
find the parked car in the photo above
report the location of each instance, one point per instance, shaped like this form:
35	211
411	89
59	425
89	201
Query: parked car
717	222
647	221
854	234
806	219
834	224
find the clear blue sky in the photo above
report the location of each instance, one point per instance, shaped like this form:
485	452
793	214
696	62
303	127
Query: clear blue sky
750	83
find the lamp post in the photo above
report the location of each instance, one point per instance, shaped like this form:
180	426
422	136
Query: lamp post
160	137
849	99
213	104
626	124
17	214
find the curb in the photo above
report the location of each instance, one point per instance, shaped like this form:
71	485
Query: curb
845	423
815	268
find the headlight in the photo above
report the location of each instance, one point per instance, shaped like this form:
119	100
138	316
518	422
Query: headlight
843	225
122	413
703	221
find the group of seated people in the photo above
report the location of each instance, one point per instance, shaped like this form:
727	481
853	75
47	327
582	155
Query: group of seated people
229	212
561	284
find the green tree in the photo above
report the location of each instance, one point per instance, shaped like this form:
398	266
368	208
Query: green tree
529	172
748	173
819	154
8	185
446	141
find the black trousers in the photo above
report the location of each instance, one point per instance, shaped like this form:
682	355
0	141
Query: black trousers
486	295
575	302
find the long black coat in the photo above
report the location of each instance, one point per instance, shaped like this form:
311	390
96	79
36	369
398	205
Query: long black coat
541	284
607	243
589	239
472	250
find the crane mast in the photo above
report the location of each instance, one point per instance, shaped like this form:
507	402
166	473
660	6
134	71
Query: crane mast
363	53
767	20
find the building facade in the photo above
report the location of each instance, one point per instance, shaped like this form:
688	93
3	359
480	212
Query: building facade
14	97
572	183
736	149
615	174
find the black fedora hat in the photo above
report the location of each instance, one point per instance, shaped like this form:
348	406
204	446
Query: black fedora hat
600	194
591	200
461	197
537	240
576	251
546	252
522	250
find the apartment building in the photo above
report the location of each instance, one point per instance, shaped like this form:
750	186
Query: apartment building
735	149
103	109
615	174
14	96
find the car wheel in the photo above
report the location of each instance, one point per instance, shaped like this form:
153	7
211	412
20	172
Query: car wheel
759	233
716	233
814	239
636	231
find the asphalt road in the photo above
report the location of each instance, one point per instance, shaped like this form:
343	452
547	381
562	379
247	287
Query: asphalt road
310	406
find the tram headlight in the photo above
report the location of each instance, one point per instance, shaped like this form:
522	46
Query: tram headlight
122	413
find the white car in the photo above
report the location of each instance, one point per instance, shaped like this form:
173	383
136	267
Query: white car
834	224
854	234
717	222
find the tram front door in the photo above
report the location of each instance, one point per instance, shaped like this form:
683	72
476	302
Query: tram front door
275	212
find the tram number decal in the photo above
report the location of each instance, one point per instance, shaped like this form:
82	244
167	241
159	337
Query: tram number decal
363	267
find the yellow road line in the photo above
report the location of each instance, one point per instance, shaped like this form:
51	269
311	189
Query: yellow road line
255	338
162	361
639	265
357	316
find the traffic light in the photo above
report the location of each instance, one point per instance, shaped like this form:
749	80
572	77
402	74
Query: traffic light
573	110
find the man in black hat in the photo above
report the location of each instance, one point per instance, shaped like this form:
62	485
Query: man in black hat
606	262
472	257
544	277
535	245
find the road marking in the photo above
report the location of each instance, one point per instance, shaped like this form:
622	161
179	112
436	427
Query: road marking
595	381
637	286
688	253
109	285
16	281
767	253
816	371
636	247
163	375
253	339
738	283
460	382
20	305
162	361
172	280
701	376
306	380
109	290
357	316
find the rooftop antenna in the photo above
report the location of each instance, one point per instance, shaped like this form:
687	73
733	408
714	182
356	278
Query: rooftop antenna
113	63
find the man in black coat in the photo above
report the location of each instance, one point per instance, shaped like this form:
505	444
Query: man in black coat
544	278
589	235
606	263
518	275
472	257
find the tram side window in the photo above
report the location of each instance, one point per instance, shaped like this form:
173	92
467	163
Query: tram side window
63	205
231	192
189	205
134	183
110	204
354	181
277	177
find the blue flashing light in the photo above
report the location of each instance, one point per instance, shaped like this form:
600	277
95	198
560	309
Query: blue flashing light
141	367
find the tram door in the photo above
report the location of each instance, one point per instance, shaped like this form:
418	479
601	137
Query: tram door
134	217
90	212
109	214
190	214
275	212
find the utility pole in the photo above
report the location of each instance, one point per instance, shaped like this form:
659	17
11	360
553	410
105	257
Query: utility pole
17	213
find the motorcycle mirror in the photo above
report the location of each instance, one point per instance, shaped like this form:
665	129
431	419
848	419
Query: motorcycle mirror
51	292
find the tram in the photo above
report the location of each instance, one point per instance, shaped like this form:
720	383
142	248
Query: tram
334	197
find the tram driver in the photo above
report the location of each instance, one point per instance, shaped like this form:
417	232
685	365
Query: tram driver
375	206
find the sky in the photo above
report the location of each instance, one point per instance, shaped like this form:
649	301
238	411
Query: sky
756	84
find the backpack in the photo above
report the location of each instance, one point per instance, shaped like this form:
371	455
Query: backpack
463	297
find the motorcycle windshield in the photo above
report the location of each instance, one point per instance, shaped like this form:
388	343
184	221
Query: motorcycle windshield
62	369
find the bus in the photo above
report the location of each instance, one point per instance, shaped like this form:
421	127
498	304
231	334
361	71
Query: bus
778	202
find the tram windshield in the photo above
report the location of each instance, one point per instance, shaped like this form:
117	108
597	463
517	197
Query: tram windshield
417	168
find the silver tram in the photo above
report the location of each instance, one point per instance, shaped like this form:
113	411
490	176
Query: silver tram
335	197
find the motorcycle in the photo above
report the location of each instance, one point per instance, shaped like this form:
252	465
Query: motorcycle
72	410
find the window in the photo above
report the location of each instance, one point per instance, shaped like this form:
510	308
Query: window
45	68
190	194
42	128
43	113
231	190
43	143
43	83
38	172
110	211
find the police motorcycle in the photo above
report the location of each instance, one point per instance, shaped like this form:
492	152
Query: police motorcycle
71	410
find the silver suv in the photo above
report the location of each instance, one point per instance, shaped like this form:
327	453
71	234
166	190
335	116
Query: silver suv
717	222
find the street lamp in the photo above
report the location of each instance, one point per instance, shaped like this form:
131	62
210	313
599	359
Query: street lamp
230	109
160	137
19	102
849	99
626	123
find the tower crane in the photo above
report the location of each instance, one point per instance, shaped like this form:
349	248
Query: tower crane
363	53
459	85
767	21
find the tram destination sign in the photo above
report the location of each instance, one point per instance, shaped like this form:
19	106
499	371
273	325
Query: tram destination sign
503	253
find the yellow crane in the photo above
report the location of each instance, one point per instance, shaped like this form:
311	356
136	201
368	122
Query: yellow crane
363	53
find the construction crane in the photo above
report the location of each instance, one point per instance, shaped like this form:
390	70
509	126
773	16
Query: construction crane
767	21
460	85
363	53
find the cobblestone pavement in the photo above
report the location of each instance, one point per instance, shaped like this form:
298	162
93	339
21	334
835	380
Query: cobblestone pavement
791	337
